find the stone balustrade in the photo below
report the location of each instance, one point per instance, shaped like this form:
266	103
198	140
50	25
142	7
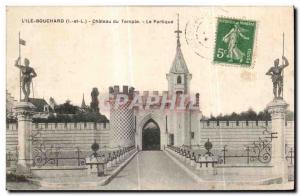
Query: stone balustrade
100	164
200	162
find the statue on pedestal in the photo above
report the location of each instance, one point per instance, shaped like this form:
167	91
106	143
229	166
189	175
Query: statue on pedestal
27	73
276	73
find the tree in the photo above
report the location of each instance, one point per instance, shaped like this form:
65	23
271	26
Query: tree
95	103
249	115
66	108
79	117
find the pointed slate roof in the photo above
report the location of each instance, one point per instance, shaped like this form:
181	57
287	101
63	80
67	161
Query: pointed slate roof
179	64
39	104
83	105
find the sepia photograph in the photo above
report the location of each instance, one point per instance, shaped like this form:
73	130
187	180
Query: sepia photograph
150	98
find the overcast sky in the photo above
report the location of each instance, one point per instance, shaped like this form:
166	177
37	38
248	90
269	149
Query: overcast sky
71	59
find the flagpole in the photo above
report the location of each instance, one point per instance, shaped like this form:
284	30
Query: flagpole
283	68
20	62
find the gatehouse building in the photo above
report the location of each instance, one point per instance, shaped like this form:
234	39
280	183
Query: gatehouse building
174	127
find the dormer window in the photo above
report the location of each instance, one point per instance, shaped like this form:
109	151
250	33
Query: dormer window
179	80
46	108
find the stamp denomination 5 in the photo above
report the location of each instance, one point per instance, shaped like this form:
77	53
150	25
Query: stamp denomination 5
234	41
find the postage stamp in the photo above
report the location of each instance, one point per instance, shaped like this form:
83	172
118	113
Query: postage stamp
234	41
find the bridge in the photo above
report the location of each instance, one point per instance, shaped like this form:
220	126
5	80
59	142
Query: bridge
152	170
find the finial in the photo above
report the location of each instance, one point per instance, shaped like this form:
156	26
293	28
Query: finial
178	31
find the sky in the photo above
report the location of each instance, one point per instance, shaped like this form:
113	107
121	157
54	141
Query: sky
70	59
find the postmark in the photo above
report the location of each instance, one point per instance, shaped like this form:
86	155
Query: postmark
199	37
234	43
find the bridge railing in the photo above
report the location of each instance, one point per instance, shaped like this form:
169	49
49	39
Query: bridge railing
195	160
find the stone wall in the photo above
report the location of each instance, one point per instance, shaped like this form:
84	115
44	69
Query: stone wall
72	135
238	134
65	135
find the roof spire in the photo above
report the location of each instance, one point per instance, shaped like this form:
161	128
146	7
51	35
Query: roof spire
178	31
178	65
83	105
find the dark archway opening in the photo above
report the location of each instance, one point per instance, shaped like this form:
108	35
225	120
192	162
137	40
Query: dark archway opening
151	136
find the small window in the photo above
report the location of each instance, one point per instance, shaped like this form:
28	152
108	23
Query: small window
179	80
192	135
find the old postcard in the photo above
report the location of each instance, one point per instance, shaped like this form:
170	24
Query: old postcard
150	98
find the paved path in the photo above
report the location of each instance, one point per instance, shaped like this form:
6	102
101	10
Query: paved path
152	170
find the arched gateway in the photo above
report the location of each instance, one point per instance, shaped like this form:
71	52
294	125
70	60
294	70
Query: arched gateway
151	136
150	130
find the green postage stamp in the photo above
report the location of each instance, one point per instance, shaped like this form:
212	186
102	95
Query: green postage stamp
234	41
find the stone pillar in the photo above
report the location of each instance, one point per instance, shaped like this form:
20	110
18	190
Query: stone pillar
24	112
277	109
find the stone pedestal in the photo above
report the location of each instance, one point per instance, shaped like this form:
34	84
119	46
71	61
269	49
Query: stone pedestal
96	166
25	111
277	109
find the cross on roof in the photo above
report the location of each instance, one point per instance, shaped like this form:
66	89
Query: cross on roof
178	31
